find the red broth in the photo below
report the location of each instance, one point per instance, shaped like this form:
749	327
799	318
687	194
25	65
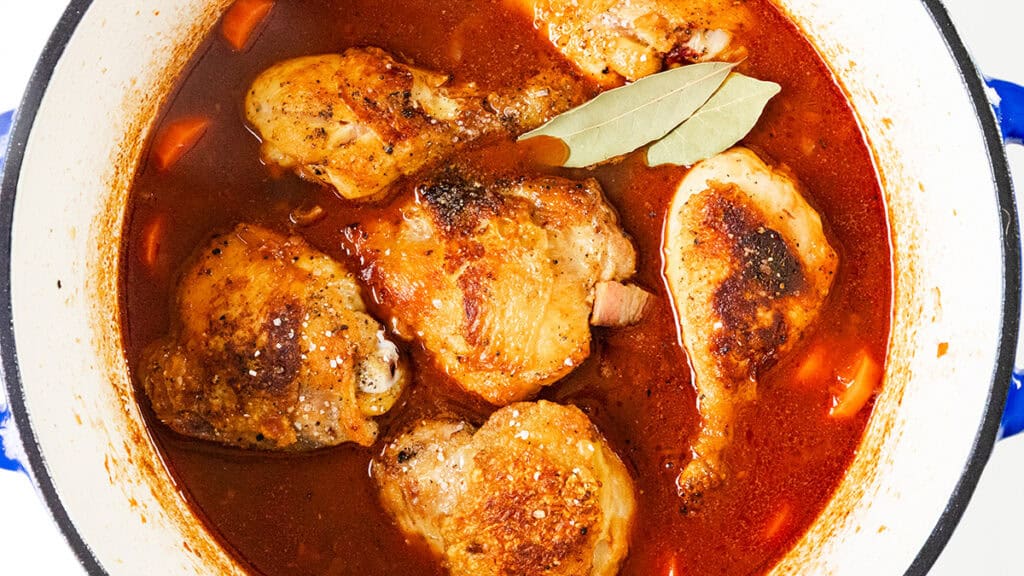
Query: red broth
317	513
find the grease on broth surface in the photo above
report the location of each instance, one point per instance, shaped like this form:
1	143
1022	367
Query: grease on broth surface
318	513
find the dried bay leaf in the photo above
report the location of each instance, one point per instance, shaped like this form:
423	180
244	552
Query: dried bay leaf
723	121
621	120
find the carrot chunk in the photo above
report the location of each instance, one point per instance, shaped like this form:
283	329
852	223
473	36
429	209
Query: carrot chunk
241	19
778	522
861	381
177	138
152	235
814	368
672	567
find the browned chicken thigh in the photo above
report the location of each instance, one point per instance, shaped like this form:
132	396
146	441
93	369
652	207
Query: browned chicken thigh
534	491
360	120
749	268
616	40
497	280
271	348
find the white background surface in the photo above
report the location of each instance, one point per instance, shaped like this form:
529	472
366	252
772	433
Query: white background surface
987	541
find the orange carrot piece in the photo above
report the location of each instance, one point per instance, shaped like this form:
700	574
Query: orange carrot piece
152	235
867	374
177	138
779	521
813	368
672	567
241	19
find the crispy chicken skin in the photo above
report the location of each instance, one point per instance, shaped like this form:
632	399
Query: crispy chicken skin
360	120
271	349
616	40
749	268
496	279
536	490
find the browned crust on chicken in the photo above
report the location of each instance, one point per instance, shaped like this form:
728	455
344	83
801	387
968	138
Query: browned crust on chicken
612	41
496	279
751	300
749	269
535	491
360	120
271	348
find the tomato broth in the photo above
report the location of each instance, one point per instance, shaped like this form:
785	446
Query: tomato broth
318	512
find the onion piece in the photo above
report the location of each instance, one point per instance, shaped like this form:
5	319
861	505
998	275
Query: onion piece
617	304
306	214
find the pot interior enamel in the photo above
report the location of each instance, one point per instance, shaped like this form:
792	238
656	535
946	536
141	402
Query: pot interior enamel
93	458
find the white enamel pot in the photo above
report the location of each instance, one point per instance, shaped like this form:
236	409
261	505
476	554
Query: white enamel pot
79	136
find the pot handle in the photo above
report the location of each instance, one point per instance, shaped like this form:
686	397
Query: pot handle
1008	104
8	433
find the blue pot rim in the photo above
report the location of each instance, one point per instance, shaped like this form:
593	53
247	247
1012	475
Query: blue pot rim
984	439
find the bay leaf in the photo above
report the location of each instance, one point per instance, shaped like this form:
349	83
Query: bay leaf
724	120
619	121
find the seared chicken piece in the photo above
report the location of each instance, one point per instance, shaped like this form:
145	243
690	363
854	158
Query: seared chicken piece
496	280
272	349
360	120
616	40
536	490
749	268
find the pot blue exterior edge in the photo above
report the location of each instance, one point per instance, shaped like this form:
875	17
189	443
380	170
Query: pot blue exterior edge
1013	414
1008	103
6	120
1009	107
7	437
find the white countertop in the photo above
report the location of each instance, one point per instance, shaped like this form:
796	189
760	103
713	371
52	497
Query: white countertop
986	541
